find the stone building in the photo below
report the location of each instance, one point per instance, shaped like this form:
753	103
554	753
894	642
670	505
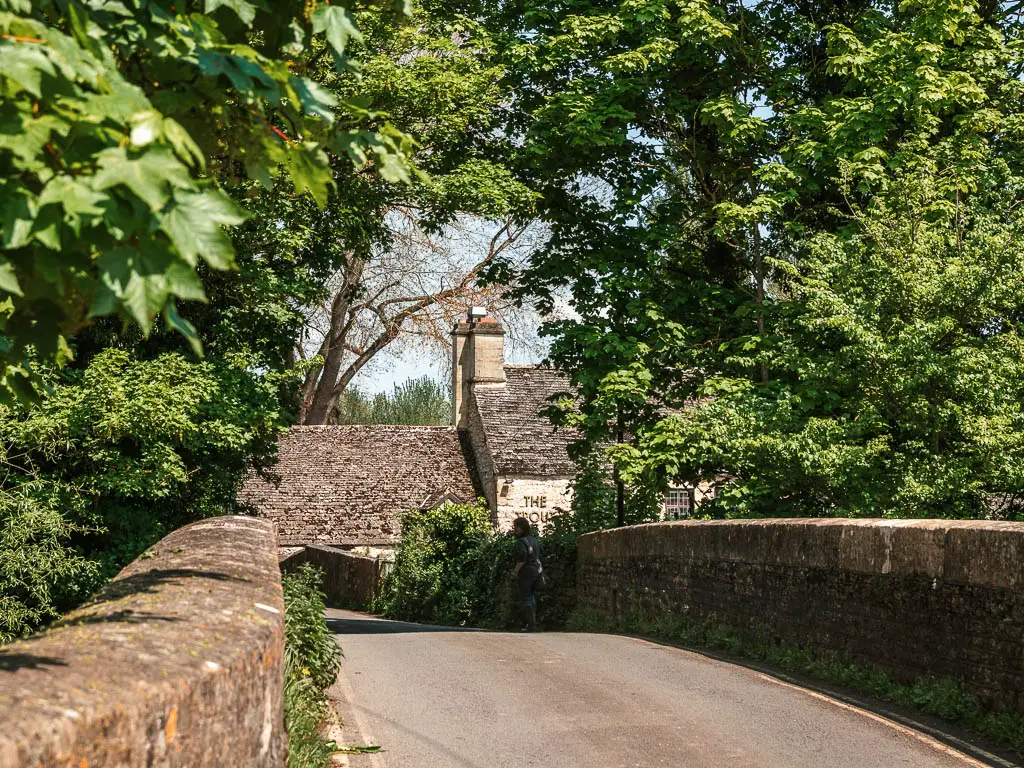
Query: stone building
522	462
349	485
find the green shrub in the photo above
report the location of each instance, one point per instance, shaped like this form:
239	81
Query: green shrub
452	568
110	459
41	573
449	569
311	662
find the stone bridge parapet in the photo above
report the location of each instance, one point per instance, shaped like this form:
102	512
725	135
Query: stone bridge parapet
177	662
938	599
350	580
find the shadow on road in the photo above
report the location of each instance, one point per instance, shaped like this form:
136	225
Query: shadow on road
370	625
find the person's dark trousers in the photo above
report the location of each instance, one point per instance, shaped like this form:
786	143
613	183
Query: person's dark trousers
525	598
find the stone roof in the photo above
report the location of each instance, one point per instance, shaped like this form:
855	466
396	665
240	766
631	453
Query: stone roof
521	441
349	484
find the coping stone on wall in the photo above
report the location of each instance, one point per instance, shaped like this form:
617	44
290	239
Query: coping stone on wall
982	552
179	661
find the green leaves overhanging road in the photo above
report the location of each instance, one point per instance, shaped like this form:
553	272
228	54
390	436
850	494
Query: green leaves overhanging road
118	120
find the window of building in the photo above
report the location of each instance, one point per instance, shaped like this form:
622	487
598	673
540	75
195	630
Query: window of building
678	503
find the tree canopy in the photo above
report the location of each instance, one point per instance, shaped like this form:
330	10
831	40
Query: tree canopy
132	138
789	232
120	122
420	401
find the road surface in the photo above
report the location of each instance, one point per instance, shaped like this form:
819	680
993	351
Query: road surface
435	697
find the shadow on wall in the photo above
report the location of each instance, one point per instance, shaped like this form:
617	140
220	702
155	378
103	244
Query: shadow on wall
148	583
97	611
12	662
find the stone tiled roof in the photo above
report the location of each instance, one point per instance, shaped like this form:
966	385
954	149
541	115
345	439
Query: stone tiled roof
349	484
520	440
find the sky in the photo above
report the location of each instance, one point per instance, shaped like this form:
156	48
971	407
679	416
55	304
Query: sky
383	373
463	247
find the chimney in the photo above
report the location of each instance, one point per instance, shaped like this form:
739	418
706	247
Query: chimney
478	357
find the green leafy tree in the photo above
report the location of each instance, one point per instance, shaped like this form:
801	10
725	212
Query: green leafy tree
40	569
902	346
119	119
635	122
112	458
438	79
703	204
421	401
417	401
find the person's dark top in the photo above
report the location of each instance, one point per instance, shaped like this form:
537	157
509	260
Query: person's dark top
528	552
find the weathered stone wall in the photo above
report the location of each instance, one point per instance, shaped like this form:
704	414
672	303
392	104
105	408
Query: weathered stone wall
927	598
350	580
178	662
555	600
482	458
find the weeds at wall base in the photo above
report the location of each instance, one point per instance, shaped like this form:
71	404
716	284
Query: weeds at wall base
312	661
945	699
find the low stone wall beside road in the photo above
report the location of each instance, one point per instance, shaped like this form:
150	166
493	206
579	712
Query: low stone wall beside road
350	580
921	598
179	662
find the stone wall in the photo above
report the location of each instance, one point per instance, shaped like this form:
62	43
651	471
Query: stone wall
482	458
177	662
350	580
928	598
555	600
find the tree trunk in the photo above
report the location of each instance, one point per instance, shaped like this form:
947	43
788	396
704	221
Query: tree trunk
323	385
759	277
318	391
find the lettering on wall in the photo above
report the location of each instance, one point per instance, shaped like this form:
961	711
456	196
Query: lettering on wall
534	503
538	502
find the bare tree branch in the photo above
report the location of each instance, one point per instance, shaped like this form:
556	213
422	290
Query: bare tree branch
413	290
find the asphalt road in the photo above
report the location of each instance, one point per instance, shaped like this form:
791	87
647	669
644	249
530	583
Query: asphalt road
437	698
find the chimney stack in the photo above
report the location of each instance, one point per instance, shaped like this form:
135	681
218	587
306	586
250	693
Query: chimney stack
478	357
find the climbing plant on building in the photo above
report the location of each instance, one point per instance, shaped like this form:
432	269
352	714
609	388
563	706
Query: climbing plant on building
119	121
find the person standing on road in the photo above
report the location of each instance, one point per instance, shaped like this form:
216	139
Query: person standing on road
528	570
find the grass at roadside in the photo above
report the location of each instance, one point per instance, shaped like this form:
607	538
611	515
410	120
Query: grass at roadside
945	699
312	661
